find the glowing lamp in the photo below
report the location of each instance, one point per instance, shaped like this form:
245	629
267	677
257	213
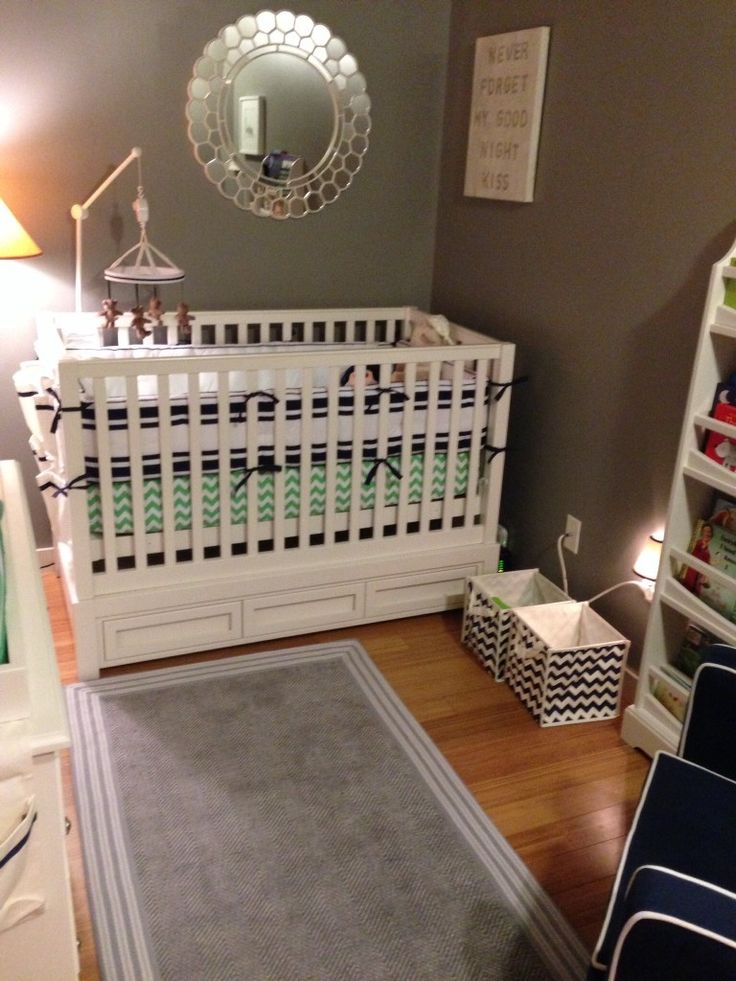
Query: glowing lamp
647	563
15	242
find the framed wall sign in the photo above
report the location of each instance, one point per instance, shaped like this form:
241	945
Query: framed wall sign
252	125
505	114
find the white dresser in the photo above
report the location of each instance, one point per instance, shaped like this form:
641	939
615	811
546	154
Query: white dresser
41	947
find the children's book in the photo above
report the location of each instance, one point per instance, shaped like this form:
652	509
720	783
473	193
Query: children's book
695	643
714	542
729	289
720	448
669	693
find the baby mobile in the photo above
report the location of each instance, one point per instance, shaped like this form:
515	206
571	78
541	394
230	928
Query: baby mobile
141	266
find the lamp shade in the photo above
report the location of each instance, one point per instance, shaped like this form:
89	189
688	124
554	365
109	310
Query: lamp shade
15	242
647	564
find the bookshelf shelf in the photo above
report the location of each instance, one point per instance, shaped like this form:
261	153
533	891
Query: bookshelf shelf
699	467
677	598
651	723
725	330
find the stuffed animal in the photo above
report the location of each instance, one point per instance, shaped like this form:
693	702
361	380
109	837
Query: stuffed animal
110	313
155	311
184	323
430	331
139	323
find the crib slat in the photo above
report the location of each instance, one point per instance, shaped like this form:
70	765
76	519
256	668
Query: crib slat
136	471
498	418
380	478
453	436
305	458
332	429
407	439
477	449
195	464
223	455
279	459
102	426
167	470
252	523
356	484
430	434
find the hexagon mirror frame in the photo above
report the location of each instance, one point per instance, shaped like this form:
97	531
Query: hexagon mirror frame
237	45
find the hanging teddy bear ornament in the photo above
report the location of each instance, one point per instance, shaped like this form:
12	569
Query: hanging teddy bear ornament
139	323
184	323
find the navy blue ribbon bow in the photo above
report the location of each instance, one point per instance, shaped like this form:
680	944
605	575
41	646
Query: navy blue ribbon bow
371	475
60	409
493	451
74	484
373	397
249	471
504	386
252	395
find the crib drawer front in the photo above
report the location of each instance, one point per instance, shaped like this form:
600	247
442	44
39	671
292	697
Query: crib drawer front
424	592
298	611
150	635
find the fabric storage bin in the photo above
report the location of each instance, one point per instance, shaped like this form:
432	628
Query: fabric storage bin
488	618
566	663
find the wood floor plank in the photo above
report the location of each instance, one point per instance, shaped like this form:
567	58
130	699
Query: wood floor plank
563	796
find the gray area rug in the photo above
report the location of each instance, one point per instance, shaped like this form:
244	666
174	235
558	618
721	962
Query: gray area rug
282	816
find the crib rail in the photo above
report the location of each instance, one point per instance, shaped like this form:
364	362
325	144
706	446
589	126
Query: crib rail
335	326
406	455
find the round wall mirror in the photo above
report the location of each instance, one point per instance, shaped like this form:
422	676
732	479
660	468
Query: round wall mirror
278	114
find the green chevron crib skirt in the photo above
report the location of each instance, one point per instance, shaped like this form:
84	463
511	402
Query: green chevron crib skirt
153	506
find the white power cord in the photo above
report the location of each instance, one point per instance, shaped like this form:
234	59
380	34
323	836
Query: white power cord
644	585
560	540
641	583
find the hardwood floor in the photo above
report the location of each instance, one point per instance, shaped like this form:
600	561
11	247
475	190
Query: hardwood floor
563	797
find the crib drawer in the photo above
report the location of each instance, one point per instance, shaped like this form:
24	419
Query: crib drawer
424	592
156	634
281	614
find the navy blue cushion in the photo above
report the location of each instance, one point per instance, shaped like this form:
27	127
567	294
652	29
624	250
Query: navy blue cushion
724	654
675	928
709	733
685	815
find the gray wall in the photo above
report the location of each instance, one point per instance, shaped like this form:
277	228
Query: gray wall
601	280
89	79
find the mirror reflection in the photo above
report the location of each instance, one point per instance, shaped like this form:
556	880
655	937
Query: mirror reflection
278	114
260	110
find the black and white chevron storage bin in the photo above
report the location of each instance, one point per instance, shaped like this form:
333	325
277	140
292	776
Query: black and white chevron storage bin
566	663
488	619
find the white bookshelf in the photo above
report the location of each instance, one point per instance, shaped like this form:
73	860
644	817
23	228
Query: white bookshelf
647	724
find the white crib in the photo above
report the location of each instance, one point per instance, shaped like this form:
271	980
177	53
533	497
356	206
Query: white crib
289	471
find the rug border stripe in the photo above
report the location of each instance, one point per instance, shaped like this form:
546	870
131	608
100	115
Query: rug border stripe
130	960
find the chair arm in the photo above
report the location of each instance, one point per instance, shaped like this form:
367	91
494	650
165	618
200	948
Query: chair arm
675	927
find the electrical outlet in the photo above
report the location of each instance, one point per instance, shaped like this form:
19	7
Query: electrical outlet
572	534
